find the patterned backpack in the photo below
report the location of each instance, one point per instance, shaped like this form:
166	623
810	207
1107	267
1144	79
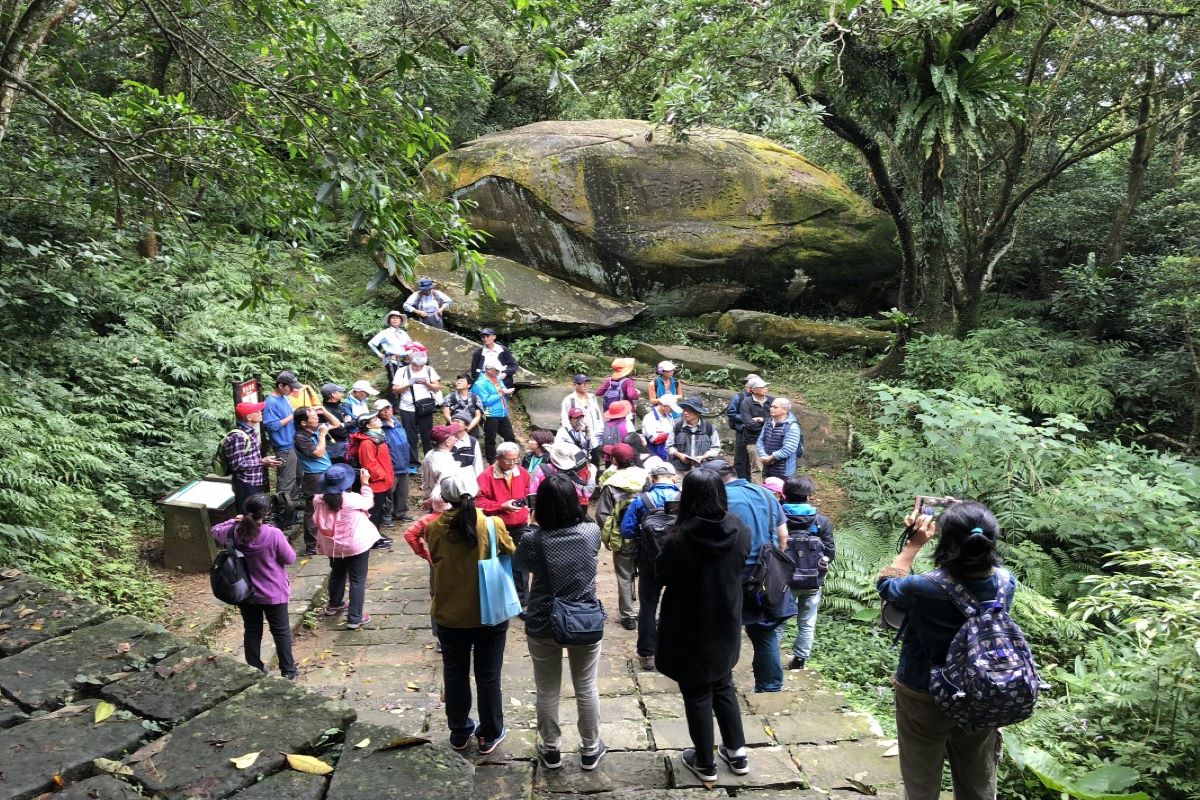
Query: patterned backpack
989	678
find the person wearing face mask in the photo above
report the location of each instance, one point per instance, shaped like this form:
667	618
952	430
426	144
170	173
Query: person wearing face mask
418	391
369	447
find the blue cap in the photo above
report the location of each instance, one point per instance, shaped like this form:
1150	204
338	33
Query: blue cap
338	478
425	283
581	378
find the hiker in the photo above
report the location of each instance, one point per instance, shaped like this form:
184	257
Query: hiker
333	400
775	487
665	382
733	415
762	515
466	447
428	304
390	342
694	439
811	546
617	424
536	452
593	415
965	555
659	504
369	446
242	452
493	396
463	400
346	535
619	386
417	389
754	412
781	442
618	485
561	558
493	353
268	555
395	502
312	442
577	431
417	537
642	453
571	461
458	540
439	463
359	401
658	426
699	632
279	420
503	493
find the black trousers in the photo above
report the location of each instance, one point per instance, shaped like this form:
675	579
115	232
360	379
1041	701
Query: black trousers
310	487
491	427
414	427
521	579
741	460
354	568
242	492
649	593
276	616
487	646
700	702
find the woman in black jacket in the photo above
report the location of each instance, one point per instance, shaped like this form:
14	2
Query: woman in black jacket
700	622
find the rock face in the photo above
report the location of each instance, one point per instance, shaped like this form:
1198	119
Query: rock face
450	354
684	226
528	303
693	359
775	331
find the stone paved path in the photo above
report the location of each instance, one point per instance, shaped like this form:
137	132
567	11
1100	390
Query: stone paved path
806	742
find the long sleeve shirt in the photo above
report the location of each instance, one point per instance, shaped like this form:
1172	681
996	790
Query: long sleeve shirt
242	451
389	342
282	435
497	488
433	302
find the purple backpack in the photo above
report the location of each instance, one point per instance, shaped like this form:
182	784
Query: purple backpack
989	679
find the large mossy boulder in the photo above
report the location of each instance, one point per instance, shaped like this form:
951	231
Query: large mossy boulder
686	226
527	302
823	337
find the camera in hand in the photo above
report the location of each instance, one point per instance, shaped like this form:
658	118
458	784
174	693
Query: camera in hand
519	503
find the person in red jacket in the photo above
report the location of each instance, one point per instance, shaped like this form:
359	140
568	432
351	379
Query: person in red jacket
503	493
368	445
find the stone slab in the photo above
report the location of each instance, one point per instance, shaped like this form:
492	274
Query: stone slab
544	404
10	714
634	794
638	770
272	717
62	743
430	772
817	726
663	706
14	588
625	735
770	767
371	635
790	702
694	360
40	613
612	709
655	683
286	785
44	675
183	684
101	787
827	766
672	734
509	781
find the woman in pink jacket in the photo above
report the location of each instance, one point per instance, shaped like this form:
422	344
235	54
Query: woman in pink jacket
346	534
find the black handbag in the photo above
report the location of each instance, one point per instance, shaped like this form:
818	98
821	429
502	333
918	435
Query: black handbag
572	622
765	584
425	405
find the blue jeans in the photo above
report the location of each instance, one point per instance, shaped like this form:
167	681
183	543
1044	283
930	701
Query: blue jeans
768	664
806	622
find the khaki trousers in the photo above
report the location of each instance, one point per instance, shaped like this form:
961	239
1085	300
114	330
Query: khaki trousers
928	737
624	564
754	463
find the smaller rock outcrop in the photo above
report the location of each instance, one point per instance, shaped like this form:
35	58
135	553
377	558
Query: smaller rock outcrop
527	302
450	354
696	361
774	331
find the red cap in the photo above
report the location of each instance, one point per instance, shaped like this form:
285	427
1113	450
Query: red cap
621	453
574	413
246	409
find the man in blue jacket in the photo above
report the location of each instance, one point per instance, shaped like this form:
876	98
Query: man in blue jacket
279	420
661	492
781	442
396	503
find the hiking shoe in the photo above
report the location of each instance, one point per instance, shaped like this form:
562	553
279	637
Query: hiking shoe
629	624
589	761
406	518
706	773
459	741
739	764
551	759
383	544
333	611
797	663
489	745
647	663
353	626
388	522
310	551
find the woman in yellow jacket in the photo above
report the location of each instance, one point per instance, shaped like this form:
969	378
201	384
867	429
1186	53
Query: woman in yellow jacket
457	541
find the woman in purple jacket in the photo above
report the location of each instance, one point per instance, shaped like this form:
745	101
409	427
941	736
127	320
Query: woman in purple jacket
268	554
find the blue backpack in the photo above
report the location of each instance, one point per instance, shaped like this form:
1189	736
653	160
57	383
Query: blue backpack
989	679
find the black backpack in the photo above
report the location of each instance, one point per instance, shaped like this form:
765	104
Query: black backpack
229	576
733	411
765	584
808	551
656	524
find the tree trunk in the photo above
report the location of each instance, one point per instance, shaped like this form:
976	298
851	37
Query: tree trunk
23	31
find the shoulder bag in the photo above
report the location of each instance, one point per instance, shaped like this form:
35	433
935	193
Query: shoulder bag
498	600
572	622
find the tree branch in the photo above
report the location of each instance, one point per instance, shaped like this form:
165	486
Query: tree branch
1134	12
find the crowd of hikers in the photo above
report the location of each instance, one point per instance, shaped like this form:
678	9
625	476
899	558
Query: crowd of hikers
703	548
